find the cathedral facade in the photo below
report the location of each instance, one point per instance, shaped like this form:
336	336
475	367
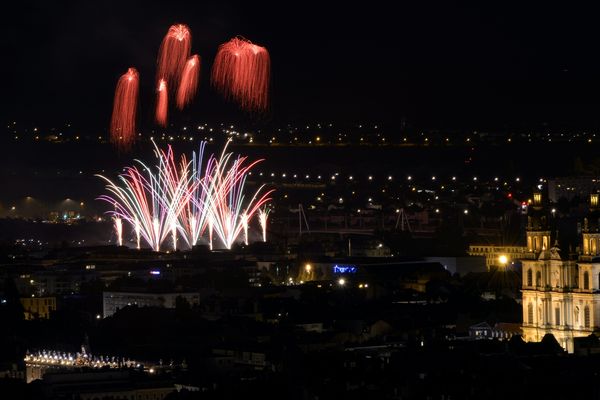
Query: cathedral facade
561	292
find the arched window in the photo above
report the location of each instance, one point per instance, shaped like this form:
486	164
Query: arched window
586	281
538	279
576	315
529	277
530	313
557	316
586	316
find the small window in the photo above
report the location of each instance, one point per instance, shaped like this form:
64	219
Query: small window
529	277
586	281
530	313
586	316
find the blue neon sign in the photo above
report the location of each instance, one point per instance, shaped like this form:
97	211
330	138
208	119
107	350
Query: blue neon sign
344	269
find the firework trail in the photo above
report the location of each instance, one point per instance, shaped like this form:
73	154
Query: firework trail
189	82
174	234
137	233
136	201
162	101
194	216
173	54
241	71
147	201
263	215
178	187
245	225
119	230
210	233
122	125
227	197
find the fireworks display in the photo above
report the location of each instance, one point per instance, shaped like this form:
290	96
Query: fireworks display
162	101
189	81
241	71
122	125
184	199
173	54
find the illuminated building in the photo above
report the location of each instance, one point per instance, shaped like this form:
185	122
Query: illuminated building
561	295
493	254
113	301
38	307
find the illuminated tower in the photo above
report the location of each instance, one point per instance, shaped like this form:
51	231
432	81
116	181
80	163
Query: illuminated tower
538	231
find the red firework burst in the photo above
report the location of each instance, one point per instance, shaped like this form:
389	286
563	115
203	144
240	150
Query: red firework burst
189	81
241	72
122	125
162	103
173	54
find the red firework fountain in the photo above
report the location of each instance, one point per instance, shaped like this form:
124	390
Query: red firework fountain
241	72
173	54
189	81
122	125
162	103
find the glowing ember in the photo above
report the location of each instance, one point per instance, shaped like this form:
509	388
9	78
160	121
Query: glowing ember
241	72
122	125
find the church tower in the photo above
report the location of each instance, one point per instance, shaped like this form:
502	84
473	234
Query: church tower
537	230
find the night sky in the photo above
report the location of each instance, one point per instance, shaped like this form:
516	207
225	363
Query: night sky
437	64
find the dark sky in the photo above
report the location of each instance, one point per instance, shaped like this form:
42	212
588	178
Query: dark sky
439	64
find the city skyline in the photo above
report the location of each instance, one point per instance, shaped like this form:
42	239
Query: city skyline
214	200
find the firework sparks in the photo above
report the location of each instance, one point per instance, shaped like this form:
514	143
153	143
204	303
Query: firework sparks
210	233
227	196
173	53
119	230
162	103
189	82
263	215
145	200
122	125
137	233
184	199
174	234
194	216
245	225
241	71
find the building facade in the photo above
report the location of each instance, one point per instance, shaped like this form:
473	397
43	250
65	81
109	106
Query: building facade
113	301
561	292
38	307
495	256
